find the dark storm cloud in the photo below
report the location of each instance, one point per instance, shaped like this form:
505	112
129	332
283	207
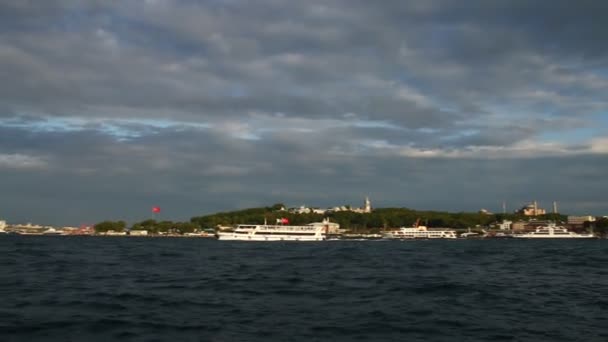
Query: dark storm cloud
199	61
220	104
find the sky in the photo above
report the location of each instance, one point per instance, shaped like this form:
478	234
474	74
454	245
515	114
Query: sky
108	108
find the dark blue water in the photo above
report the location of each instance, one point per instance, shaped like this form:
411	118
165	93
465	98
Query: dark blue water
158	289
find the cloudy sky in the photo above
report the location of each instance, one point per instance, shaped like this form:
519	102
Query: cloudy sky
110	107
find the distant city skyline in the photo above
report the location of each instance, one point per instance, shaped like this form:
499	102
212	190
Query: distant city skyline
140	216
110	108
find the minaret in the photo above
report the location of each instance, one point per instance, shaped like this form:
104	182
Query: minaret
554	207
368	205
535	208
504	207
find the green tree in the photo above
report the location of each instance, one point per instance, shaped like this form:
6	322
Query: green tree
277	207
104	226
600	226
186	227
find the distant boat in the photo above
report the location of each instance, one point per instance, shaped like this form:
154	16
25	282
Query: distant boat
199	234
265	232
52	231
469	235
419	232
500	235
552	231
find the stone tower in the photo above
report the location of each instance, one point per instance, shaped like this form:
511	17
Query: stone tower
367	205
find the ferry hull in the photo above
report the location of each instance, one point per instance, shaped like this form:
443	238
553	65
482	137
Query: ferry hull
266	237
418	232
554	237
552	231
388	237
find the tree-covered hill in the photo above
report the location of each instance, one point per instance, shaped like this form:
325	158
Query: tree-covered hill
379	218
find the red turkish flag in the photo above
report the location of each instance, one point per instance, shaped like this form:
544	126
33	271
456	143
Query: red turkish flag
284	221
156	209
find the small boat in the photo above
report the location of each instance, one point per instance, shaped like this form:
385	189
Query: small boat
500	235
52	231
471	235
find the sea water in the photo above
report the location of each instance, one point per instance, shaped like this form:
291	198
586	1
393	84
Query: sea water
57	288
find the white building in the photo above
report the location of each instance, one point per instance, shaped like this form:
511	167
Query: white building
505	225
2	225
532	209
301	210
367	207
115	233
332	227
580	219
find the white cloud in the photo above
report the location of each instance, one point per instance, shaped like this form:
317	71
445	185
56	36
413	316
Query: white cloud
599	145
521	149
22	161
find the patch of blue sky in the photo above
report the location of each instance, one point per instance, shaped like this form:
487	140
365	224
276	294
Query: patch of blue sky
428	130
459	135
124	130
375	124
238	91
159	123
120	133
42	125
598	128
576	135
602	119
116	127
248	136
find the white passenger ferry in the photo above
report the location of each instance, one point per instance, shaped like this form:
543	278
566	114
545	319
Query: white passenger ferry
552	231
419	232
265	232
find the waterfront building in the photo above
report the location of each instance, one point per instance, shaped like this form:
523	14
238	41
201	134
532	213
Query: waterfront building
580	220
301	210
519	225
115	233
505	225
367	208
528	225
332	227
577	223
